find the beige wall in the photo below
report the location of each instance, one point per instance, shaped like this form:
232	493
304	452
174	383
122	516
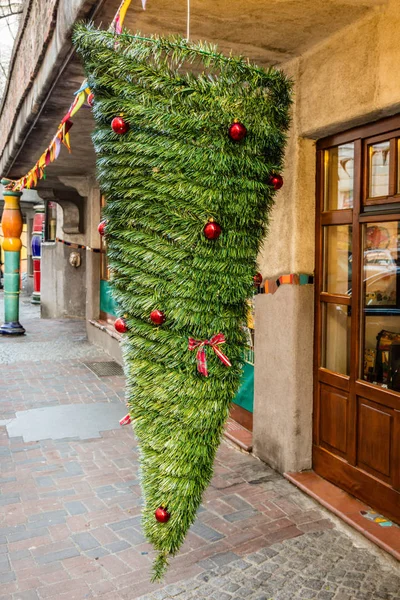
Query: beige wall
349	79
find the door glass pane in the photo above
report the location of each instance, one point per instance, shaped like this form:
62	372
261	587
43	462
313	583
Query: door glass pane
379	156
381	306
339	177
336	323
337	259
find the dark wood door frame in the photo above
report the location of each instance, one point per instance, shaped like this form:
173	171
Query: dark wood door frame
349	401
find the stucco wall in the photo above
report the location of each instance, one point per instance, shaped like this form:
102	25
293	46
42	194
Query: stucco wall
349	79
352	77
40	48
63	287
283	378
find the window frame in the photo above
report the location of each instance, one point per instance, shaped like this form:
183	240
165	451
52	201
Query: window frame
365	210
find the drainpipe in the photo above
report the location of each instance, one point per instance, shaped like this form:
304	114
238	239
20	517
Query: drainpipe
11	224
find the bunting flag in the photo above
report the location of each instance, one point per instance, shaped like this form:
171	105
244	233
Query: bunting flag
52	152
119	18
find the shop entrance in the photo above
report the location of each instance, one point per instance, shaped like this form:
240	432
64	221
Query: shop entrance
357	315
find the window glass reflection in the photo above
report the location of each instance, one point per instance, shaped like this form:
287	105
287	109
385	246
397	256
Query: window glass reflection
336	323
339	177
381	304
337	259
379	157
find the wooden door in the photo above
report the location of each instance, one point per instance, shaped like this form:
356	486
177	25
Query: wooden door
357	316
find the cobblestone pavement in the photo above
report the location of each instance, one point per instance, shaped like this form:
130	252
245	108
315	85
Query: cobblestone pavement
49	338
70	508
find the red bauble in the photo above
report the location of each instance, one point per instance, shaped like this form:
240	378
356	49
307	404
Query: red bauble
90	99
126	420
212	230
157	317
101	228
258	279
237	131
162	515
119	126
276	181
120	325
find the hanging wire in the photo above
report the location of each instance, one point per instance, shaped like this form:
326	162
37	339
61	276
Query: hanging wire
188	21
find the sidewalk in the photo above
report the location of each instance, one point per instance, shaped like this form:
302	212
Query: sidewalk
70	499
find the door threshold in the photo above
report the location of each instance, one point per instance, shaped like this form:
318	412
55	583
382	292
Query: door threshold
379	530
239	435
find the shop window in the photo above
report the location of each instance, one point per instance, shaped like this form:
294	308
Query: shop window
381	303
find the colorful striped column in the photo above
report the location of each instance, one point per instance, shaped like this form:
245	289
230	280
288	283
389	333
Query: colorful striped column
37	236
11	224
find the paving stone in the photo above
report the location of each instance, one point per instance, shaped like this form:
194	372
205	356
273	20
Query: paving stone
97	552
44	481
58	494
4	564
48	517
237	502
240	515
27	535
221	596
29	595
241	564
133	522
19	554
8	501
231	587
12	529
56	556
131	535
75	507
85	541
117	546
7	577
205	532
224	558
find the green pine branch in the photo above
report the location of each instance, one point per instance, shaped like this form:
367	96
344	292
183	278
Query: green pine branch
164	179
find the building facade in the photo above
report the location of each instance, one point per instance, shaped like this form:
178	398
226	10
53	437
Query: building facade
326	355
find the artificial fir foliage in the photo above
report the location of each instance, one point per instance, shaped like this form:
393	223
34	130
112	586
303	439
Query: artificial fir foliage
175	170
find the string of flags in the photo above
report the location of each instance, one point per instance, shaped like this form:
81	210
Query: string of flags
82	96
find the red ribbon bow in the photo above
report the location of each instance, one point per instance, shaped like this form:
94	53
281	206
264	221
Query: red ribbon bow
201	356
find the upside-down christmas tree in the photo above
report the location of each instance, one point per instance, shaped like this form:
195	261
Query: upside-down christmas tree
189	147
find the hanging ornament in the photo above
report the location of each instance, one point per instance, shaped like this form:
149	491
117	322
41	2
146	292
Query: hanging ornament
120	325
237	131
90	99
157	317
126	420
258	279
162	515
212	230
119	126
276	181
101	228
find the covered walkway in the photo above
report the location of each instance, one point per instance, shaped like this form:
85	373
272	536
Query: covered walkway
70	498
